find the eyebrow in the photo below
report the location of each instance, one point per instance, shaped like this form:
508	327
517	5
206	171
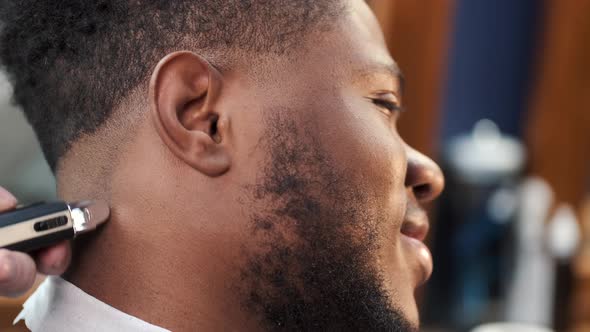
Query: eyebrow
394	70
389	68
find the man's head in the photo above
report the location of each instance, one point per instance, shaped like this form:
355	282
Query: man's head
73	62
259	135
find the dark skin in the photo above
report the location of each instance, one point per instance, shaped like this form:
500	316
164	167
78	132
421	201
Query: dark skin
229	185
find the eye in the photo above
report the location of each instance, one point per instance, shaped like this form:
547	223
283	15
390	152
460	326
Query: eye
391	106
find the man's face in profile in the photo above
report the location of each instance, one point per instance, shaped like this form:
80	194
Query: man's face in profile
273	193
333	223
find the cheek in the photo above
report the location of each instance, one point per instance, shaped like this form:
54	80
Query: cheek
364	142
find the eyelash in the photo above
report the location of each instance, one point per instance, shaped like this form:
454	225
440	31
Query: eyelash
391	106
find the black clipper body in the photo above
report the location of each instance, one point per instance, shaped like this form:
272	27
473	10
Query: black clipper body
39	225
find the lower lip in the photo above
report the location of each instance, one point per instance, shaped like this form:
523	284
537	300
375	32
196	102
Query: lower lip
424	258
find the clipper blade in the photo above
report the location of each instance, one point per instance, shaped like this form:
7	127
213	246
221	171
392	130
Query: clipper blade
87	215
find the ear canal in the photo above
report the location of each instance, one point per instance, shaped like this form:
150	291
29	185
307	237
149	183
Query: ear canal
213	130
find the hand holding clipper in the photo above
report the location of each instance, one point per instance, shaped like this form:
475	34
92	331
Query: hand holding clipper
18	269
39	225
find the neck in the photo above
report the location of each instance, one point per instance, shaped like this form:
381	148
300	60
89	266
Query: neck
158	277
148	260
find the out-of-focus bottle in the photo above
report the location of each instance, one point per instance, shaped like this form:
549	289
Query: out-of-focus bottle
483	169
581	268
510	327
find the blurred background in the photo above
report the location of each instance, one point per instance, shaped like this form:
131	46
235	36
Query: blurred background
498	93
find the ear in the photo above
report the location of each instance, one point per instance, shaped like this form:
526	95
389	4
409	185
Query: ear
183	95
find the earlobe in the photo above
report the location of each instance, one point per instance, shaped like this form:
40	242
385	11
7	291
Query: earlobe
183	92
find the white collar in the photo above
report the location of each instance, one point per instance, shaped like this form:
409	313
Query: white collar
58	305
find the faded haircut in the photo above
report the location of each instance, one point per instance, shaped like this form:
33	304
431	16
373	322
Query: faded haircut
72	61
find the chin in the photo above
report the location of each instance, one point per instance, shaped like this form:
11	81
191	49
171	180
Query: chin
404	301
410	313
413	316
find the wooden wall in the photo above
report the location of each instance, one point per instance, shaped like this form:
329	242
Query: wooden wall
559	117
559	134
417	33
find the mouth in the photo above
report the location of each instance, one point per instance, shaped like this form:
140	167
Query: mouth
414	232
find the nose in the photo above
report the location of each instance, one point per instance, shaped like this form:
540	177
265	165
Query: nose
423	176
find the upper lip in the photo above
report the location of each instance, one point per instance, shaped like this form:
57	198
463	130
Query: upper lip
416	225
415	228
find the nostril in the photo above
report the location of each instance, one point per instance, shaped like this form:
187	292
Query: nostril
423	177
422	191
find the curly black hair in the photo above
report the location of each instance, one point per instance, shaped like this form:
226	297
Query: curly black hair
72	61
